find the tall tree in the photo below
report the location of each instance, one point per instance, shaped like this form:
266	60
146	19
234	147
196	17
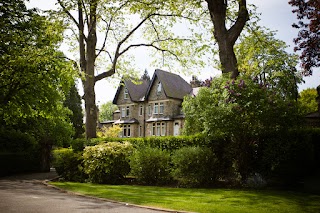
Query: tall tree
226	37
89	17
73	102
34	77
262	56
308	38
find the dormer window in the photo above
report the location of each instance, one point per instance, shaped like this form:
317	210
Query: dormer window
159	88
126	94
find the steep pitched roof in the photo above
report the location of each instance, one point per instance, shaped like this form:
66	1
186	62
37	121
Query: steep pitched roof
173	85
136	91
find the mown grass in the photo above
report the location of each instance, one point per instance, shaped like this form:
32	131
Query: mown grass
202	200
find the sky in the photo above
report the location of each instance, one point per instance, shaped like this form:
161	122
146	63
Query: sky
275	15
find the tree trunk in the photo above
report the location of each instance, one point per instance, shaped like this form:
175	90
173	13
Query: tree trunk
45	151
226	38
87	64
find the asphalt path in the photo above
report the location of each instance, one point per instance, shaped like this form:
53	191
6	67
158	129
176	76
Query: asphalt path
27	193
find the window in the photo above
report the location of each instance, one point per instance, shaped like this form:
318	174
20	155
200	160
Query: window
140	110
126	94
159	88
161	108
153	132
163	129
127	111
126	132
140	131
123	112
156	108
149	109
158	129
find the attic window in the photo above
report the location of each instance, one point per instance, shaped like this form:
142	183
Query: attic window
126	94
159	88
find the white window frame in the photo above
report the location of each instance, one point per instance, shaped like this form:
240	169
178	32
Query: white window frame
126	131
123	112
149	110
153	129
155	108
126	93
159	88
161	108
163	129
127	111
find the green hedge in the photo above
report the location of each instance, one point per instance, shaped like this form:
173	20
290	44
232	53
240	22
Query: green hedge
169	143
151	165
290	156
69	164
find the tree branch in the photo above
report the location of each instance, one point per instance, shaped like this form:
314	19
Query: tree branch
243	16
68	13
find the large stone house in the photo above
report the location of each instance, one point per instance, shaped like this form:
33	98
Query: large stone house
151	107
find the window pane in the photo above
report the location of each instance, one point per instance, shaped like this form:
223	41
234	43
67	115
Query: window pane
161	108
159	88
123	112
129	132
153	129
163	129
128	111
155	108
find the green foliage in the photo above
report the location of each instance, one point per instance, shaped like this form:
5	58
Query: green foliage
194	166
290	156
151	165
260	55
307	101
108	162
106	111
78	144
241	110
73	103
111	132
68	164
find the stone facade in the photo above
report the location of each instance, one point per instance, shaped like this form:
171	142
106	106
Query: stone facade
154	112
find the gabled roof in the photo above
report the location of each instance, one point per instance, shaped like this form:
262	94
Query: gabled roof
136	91
173	85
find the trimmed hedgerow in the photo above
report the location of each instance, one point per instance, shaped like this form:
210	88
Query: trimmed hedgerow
151	165
194	166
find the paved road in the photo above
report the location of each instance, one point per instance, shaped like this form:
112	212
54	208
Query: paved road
26	193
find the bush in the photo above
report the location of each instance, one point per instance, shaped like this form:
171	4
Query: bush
68	164
194	166
151	165
290	156
108	162
78	144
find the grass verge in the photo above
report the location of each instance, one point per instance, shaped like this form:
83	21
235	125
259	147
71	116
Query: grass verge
201	200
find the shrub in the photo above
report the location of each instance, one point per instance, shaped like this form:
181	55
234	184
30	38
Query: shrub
78	144
151	165
194	166
107	162
68	164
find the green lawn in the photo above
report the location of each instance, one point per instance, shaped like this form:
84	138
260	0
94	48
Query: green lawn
202	200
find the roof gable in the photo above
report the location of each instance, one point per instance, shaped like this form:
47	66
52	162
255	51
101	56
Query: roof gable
174	86
136	91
